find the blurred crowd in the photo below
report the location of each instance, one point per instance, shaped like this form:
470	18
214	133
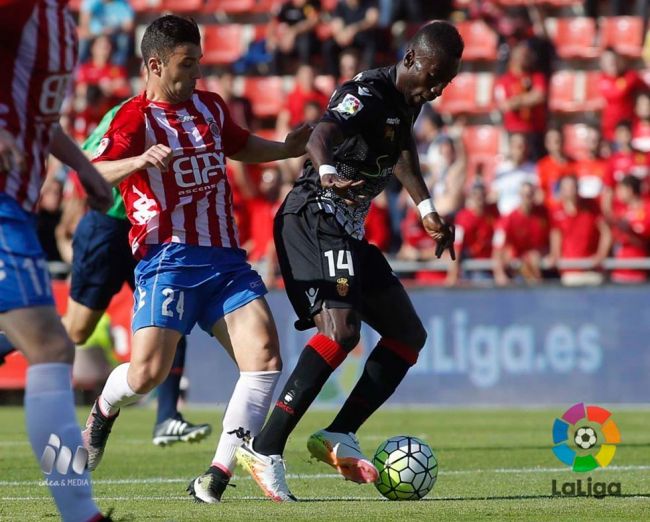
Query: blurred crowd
544	196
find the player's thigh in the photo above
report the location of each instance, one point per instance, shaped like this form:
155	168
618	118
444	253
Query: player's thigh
387	307
38	333
250	337
80	321
320	270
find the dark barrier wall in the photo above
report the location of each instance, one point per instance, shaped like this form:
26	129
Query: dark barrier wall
486	346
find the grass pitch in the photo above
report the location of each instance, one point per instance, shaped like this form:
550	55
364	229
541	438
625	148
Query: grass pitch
493	463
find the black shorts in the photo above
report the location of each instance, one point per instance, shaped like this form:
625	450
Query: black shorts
321	263
101	260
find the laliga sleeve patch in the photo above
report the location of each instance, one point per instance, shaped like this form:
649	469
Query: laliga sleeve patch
101	148
348	106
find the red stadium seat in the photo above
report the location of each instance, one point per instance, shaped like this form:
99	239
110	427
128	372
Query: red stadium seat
623	33
223	44
469	93
575	140
575	91
482	144
266	94
229	6
181	6
141	6
267	6
480	40
574	37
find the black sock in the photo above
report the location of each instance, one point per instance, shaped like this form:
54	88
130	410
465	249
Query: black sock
385	368
317	361
170	389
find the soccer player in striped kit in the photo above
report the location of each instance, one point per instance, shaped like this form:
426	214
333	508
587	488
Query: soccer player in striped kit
38	48
167	149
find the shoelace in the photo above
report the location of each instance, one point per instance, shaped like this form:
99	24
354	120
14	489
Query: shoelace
278	482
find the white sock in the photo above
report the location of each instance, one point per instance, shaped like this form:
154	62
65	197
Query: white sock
247	409
56	439
117	392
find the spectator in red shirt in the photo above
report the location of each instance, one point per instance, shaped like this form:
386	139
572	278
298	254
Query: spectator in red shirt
304	91
641	126
522	235
553	166
578	231
474	233
618	86
624	161
631	227
591	170
521	97
99	71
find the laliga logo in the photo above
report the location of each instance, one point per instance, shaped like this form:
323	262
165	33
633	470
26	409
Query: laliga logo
585	439
586	426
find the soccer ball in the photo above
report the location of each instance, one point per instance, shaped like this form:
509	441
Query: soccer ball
407	467
585	437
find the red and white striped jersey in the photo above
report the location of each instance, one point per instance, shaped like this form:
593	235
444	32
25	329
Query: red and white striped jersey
190	202
38	52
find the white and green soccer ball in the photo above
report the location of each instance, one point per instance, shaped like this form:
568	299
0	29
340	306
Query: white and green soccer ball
407	467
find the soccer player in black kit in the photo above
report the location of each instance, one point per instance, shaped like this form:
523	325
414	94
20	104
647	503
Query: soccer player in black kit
334	278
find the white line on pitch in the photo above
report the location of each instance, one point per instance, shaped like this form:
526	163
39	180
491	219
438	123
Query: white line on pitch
320	476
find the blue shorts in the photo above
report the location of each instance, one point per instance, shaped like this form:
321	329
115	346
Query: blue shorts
24	275
101	260
178	286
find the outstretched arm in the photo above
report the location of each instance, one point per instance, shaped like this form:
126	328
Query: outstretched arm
409	174
64	149
260	150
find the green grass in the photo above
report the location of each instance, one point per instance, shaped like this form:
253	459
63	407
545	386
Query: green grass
493	464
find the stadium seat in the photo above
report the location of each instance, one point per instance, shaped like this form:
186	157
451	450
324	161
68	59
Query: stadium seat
575	91
469	93
267	95
181	6
623	33
229	6
482	145
575	140
574	37
480	40
224	44
141	6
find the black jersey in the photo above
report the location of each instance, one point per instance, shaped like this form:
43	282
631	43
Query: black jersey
377	126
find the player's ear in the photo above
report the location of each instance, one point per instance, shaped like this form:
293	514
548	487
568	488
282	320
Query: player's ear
154	65
409	58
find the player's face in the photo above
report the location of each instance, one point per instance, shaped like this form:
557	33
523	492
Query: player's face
426	77
179	75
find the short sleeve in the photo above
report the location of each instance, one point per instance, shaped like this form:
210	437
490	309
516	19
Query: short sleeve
353	107
125	136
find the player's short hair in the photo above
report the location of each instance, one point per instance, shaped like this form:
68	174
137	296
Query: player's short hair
166	33
439	38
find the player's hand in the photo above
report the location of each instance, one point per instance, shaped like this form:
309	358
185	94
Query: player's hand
297	139
100	194
441	232
10	155
156	156
341	187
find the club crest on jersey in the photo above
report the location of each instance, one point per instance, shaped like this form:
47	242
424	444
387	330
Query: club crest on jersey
103	145
342	286
349	106
214	129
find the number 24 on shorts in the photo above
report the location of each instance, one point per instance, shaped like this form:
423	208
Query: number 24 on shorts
343	261
171	296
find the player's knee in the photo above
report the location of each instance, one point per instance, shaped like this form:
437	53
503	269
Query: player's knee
78	335
415	336
144	377
55	349
347	337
